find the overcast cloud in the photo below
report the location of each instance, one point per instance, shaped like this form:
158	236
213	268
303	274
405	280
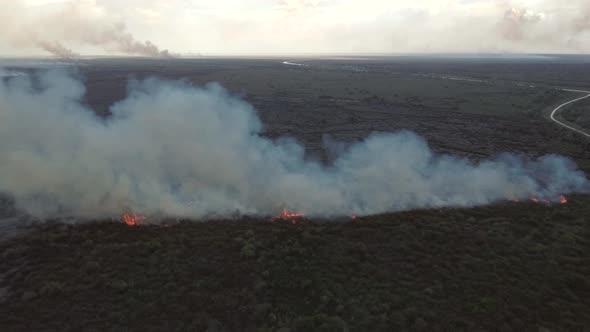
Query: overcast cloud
149	27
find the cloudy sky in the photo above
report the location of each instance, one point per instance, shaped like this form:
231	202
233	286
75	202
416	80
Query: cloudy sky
149	27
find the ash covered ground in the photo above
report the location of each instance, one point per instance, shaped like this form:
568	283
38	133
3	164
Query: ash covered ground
503	267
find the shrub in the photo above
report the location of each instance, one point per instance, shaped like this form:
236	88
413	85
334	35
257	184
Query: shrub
248	250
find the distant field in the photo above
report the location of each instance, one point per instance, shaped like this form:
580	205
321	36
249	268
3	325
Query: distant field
471	109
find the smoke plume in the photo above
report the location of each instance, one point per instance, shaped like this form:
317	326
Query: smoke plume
72	23
563	29
58	50
516	21
174	150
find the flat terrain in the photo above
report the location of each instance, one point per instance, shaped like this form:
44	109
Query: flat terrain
514	266
502	268
579	114
474	109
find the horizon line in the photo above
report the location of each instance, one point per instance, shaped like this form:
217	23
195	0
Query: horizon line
299	55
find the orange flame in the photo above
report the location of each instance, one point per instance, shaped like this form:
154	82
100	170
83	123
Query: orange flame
562	199
291	217
133	219
287	214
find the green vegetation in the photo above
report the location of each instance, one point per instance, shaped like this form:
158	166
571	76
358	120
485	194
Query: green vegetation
500	268
472	109
505	267
578	113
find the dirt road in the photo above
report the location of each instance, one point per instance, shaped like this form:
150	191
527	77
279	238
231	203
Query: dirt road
558	108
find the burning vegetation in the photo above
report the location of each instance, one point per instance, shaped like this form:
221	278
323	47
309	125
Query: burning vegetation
561	200
132	220
388	270
294	218
385	172
289	217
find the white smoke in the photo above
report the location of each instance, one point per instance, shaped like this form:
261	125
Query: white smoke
174	150
80	23
516	21
58	50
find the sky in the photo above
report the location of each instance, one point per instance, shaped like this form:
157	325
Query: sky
253	27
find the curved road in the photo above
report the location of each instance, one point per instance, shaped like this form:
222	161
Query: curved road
558	108
553	113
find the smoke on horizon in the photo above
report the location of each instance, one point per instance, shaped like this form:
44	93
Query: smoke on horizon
174	150
58	50
71	23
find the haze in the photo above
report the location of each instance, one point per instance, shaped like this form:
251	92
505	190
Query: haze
190	27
